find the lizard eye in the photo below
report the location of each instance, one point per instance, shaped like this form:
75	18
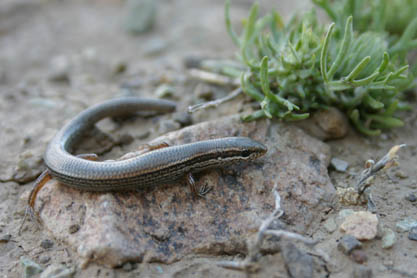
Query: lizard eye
246	153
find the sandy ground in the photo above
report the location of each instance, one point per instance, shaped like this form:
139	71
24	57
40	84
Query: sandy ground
88	39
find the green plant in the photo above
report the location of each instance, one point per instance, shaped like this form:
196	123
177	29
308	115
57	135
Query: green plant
300	67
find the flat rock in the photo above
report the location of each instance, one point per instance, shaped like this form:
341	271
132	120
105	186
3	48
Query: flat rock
361	224
165	223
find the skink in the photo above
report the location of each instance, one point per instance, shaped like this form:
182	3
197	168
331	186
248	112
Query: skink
161	164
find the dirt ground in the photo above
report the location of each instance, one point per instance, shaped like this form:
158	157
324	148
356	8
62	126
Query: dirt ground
59	57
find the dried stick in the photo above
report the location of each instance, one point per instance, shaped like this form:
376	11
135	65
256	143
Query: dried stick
216	102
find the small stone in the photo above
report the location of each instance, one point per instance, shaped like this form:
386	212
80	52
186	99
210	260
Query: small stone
359	256
411	197
183	118
57	271
401	174
204	91
412	234
361	271
5	238
349	196
73	228
363	225
388	238
348	243
165	91
330	225
154	47
59	69
30	268
119	67
339	165
298	263
405	225
140	15
46	244
168	125
44	259
345	213
127	267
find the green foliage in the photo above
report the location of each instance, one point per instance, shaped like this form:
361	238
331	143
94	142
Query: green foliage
294	69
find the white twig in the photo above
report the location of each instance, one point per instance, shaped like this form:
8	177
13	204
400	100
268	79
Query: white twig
214	103
213	78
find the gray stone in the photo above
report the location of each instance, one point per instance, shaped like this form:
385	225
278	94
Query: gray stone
405	225
170	223
344	213
44	259
412	234
330	225
59	69
47	243
411	197
140	15
183	118
361	271
339	165
388	238
30	268
58	271
348	243
5	238
298	264
155	47
165	91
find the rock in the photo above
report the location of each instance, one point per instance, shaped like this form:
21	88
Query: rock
168	125
405	225
155	47
47	243
59	69
326	124
140	15
359	256
330	225
170	223
298	264
165	91
348	243
44	259
388	238
57	271
204	91
401	174
183	118
5	238
30	268
361	271
412	234
411	197
363	225
339	165
345	213
73	228
350	197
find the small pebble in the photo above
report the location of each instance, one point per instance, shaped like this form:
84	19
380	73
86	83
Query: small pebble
44	259
348	243
30	268
330	225
359	256
412	234
401	174
388	238
127	267
204	91
339	165
73	228
168	125
58	271
411	197
154	47
165	91
46	244
363	225
405	225
361	271
59	69
140	16
183	118
5	238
